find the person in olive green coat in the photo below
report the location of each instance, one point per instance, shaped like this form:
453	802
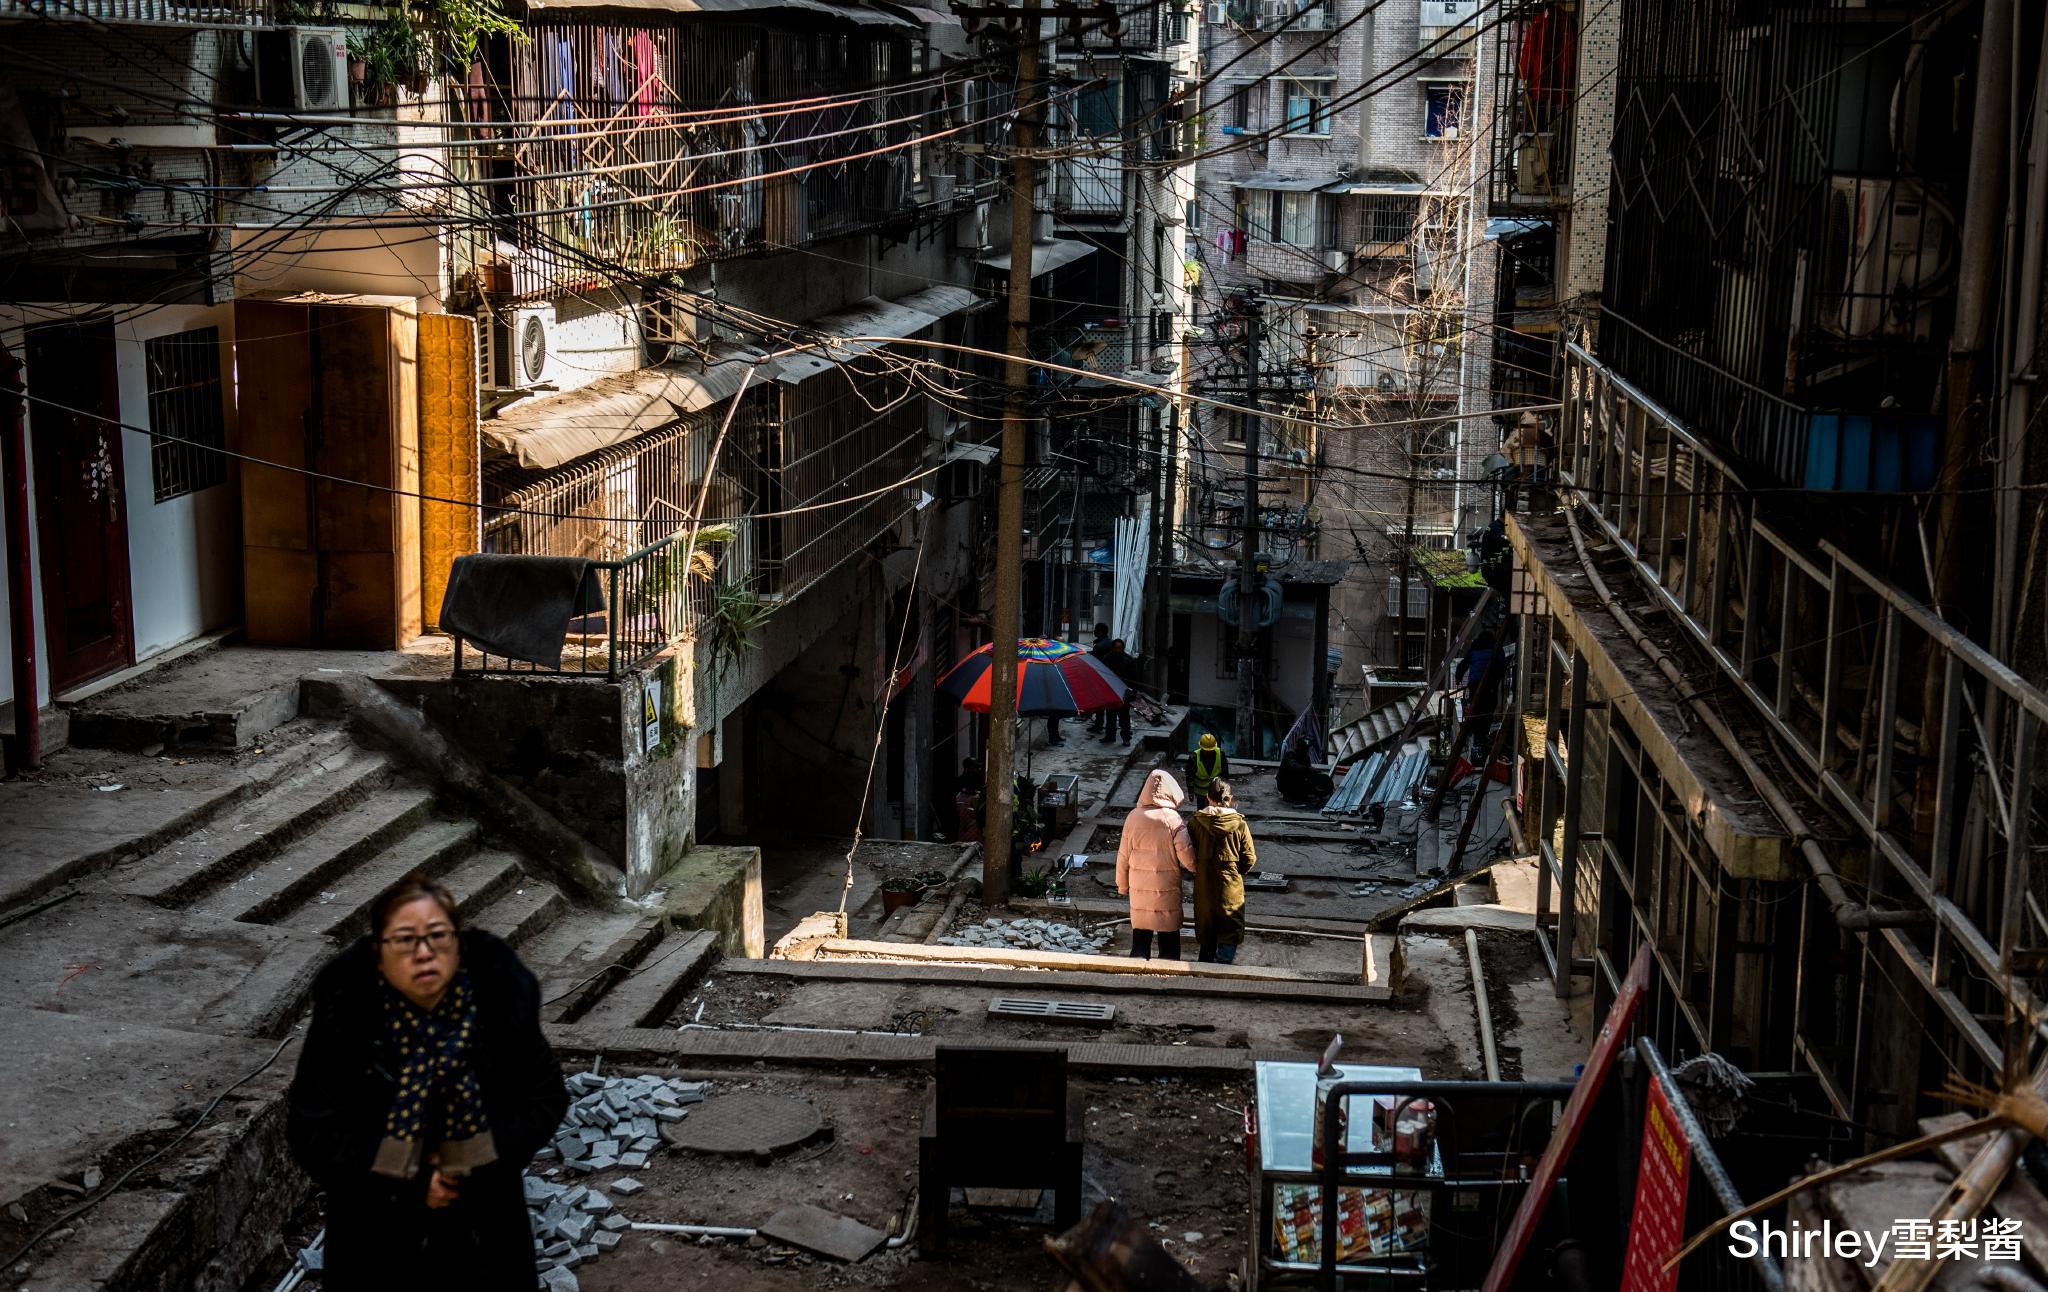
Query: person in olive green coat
1224	855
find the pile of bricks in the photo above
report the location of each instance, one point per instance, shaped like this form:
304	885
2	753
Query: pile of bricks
613	1123
1027	935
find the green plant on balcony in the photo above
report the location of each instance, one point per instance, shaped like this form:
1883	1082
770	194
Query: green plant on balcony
463	25
392	53
666	240
674	577
737	615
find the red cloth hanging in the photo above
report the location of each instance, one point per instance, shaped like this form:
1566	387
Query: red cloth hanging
646	74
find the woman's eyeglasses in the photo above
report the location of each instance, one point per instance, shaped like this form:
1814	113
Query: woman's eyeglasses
406	943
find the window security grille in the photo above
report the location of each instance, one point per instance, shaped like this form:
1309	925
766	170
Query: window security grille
187	429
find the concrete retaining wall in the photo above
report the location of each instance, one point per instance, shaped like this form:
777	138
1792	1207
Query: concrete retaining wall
580	749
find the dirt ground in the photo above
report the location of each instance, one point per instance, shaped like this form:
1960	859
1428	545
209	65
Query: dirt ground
1172	1150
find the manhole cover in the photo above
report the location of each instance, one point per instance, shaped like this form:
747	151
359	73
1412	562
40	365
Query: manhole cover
747	1125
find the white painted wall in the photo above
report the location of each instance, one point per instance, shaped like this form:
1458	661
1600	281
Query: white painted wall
184	554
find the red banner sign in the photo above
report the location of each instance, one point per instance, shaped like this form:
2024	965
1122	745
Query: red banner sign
1658	1227
1613	1035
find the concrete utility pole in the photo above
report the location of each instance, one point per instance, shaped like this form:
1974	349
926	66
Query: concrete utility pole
1075	555
28	719
1407	559
1007	614
1309	337
1248	546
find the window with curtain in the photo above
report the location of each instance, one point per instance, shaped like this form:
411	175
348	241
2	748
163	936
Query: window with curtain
1297	222
1308	104
1258	214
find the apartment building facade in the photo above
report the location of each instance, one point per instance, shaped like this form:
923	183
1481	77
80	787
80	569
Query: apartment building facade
1342	161
515	289
1109	318
1780	714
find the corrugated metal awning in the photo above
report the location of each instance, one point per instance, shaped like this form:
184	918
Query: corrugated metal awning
549	431
1045	256
860	17
1271	183
873	317
1381	188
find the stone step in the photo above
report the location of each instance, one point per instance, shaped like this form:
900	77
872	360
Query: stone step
1382	966
1476	893
482	879
194	706
333	848
644	997
583	954
214	855
342	910
518	915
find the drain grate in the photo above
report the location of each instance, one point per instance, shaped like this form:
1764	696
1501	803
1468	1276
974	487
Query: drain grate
1052	1011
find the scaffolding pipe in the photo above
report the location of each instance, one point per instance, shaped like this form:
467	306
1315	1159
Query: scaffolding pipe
1847	911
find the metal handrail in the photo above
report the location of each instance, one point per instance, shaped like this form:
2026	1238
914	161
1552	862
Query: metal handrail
1623	455
636	629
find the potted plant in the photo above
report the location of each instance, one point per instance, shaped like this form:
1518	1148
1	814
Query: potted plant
899	890
358	57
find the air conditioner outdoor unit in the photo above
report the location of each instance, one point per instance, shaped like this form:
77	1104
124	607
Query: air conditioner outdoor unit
302	69
1880	242
520	355
1337	261
1215	14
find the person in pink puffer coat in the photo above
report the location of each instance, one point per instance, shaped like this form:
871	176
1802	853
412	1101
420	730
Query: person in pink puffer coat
1149	861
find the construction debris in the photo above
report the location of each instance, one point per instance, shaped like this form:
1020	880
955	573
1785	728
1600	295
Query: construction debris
1028	935
612	1122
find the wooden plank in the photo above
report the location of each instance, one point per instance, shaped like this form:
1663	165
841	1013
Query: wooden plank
406	620
279	568
2017	1199
653	1046
450	458
1096	908
1392	916
940	975
915	953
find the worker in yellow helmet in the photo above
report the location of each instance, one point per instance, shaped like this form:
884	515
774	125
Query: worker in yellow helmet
1206	764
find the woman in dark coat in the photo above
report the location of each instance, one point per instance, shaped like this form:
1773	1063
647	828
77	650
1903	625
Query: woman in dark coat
424	1089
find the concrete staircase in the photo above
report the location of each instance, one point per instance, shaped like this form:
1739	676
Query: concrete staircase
310	849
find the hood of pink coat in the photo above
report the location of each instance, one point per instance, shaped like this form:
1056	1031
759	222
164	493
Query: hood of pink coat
1161	790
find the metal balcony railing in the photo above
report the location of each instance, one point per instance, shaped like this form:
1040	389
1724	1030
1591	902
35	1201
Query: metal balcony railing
170	13
1898	719
642	609
627	499
1125	350
1534	78
1091	185
1136	31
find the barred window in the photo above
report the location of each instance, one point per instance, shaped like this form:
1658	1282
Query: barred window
187	430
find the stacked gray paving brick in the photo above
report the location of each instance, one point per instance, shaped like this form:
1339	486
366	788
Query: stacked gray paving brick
1027	935
613	1123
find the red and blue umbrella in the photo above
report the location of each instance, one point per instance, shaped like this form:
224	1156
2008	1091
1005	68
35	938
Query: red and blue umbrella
1053	678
